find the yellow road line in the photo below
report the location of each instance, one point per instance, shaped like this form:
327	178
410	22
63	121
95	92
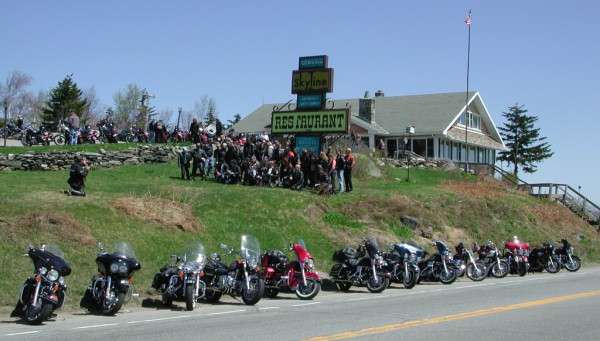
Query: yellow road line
453	317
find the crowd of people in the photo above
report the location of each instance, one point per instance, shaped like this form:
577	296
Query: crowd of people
255	160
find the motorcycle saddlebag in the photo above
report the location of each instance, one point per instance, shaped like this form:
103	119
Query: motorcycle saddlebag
344	254
274	257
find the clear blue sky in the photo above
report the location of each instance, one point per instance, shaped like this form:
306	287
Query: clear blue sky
543	54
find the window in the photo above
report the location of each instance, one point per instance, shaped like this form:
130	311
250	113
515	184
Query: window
474	120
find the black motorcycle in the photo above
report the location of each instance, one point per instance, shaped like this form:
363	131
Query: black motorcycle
181	281
473	267
12	131
107	133
31	137
367	271
568	261
544	257
403	263
113	286
439	267
46	291
492	258
240	278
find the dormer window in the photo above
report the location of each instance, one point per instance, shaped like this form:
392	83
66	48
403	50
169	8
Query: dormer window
474	120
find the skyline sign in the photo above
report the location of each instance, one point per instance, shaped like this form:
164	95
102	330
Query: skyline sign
312	81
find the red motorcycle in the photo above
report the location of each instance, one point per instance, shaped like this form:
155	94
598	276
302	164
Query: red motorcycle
517	255
298	275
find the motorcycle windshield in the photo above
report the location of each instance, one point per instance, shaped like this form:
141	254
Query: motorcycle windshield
121	249
300	249
442	247
250	250
194	252
55	250
372	247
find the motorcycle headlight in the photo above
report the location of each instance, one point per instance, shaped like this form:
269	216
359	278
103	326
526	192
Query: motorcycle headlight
53	275
310	264
43	270
412	257
61	280
253	263
114	267
123	269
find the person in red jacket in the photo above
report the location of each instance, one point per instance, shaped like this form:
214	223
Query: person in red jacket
349	166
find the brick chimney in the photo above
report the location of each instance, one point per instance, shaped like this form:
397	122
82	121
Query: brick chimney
366	108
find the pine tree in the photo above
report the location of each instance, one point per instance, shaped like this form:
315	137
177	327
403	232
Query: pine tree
524	144
64	98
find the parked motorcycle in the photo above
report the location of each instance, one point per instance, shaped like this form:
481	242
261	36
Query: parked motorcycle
108	134
516	252
298	275
46	291
113	286
568	261
240	278
403	263
181	281
368	271
12	131
31	137
474	268
439	266
544	257
87	135
492	258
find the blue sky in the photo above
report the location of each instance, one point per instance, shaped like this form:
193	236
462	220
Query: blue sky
542	54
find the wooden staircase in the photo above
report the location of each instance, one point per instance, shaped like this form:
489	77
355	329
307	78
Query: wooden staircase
561	193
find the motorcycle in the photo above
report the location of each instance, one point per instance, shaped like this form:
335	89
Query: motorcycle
140	135
12	131
31	137
439	266
368	271
181	281
567	260
127	136
108	134
240	278
544	257
87	135
474	268
298	275
113	286
177	135
403	263
517	255
46	291
491	257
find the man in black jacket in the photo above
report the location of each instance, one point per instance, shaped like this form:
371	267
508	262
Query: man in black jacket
79	170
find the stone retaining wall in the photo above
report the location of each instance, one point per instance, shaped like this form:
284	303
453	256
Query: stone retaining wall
62	160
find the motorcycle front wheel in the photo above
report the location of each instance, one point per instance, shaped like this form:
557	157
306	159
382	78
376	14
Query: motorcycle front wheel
190	301
499	270
522	269
257	289
448	277
574	265
38	312
410	279
112	307
476	272
129	138
59	139
552	267
308	291
378	283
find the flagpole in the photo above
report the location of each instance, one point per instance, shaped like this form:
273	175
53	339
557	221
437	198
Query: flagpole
468	22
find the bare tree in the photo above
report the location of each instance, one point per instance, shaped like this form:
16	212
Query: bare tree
127	105
94	109
12	91
165	115
201	108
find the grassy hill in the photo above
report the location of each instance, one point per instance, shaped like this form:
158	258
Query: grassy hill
148	206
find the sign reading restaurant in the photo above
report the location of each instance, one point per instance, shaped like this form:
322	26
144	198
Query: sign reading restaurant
323	121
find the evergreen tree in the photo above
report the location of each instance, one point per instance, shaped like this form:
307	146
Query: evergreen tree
525	146
236	119
64	98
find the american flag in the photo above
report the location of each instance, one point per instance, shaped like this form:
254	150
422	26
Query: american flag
468	20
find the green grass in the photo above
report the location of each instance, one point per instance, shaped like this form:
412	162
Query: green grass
225	212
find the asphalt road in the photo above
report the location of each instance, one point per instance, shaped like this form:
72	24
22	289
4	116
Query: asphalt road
562	306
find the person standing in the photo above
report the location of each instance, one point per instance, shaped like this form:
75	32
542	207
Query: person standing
151	130
350	163
184	163
195	130
340	163
20	122
79	171
73	127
